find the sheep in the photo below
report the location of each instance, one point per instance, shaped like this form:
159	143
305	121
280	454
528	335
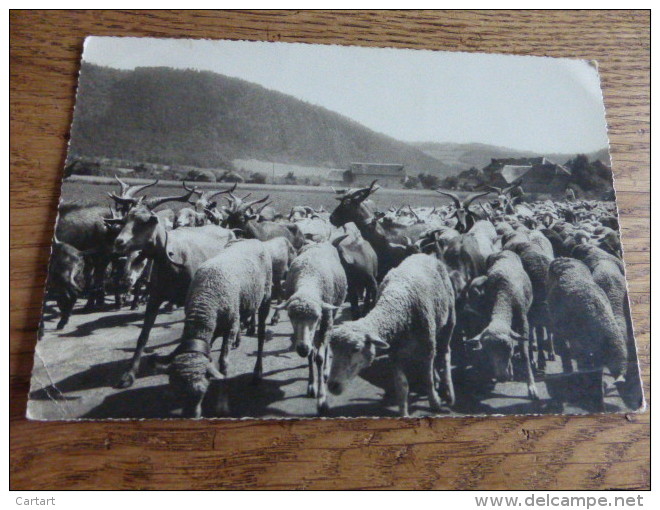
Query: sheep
536	263
469	252
188	217
608	273
316	288
282	254
414	318
507	293
236	282
582	320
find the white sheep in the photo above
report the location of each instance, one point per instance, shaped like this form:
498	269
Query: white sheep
316	288
236	282
414	318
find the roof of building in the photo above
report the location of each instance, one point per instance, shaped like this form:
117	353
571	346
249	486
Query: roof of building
511	172
335	175
376	168
514	172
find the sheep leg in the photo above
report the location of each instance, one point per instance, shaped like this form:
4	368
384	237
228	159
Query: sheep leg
354	301
401	389
443	346
565	354
237	339
541	341
234	332
277	292
321	361
532	346
251	325
531	385
128	377
370	295
264	309
311	390
434	399
321	397
551	344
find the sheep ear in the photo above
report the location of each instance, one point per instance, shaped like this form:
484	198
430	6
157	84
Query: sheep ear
518	336
477	285
328	307
377	341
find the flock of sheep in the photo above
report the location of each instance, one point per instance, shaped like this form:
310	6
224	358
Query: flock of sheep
499	285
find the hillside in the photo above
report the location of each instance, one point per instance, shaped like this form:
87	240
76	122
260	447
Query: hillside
203	119
463	156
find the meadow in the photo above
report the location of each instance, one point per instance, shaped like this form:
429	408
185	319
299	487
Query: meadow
94	189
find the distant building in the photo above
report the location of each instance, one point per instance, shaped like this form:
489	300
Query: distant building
362	174
539	175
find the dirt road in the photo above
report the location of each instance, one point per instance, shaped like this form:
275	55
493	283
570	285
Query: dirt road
75	370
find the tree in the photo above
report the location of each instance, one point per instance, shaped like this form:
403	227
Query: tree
429	181
411	182
258	178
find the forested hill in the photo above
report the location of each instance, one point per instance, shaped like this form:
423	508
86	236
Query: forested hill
187	117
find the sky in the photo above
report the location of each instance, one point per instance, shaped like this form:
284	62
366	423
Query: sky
538	104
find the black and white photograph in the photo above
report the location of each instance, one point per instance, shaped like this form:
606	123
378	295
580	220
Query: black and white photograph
282	230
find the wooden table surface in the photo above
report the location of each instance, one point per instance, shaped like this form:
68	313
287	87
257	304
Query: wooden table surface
552	452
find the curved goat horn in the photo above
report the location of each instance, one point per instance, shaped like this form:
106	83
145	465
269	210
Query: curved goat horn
471	198
122	200
191	190
363	193
413	212
228	190
154	202
454	197
255	202
258	211
132	190
124	186
499	191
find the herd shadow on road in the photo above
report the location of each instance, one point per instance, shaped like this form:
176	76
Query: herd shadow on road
257	401
268	398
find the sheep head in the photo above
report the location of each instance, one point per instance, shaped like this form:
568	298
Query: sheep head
352	351
495	351
305	314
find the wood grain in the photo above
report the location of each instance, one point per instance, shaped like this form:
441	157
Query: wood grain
514	453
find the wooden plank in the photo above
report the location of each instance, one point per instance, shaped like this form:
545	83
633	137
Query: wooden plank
514	452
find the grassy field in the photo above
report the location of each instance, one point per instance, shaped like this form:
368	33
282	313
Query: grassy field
284	197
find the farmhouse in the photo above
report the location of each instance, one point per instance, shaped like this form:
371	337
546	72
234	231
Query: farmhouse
539	175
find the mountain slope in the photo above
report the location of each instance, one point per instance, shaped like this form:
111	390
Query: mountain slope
463	156
187	117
